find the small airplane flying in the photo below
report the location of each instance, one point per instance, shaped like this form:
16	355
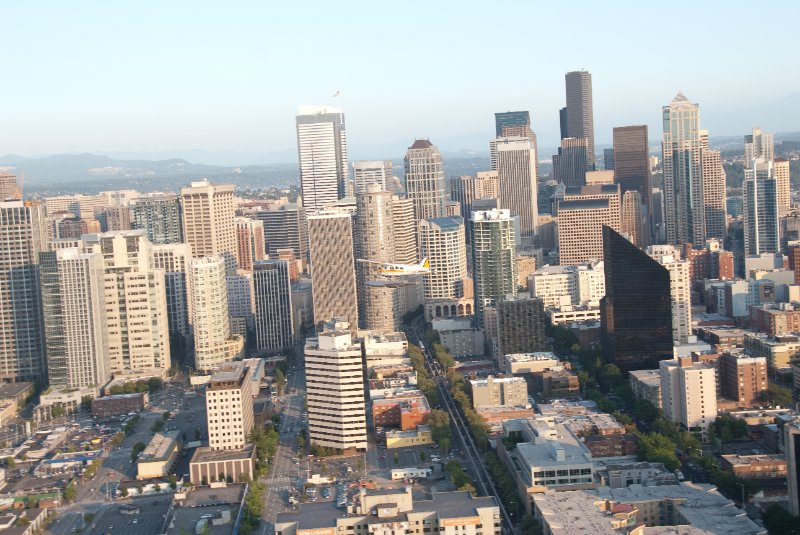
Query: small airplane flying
400	270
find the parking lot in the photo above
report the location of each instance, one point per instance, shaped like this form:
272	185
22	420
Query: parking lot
146	518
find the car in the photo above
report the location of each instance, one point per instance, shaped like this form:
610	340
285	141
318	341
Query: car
206	516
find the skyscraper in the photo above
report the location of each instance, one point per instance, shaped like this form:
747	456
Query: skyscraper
208	221
633	222
714	191
783	184
9	188
569	165
465	189
22	238
406	250
581	217
272	289
759	145
425	183
174	259
760	208
372	172
632	161
441	241
332	267
510	118
636	312
75	325
679	289
608	159
285	227
249	242
517	181
580	114
791	441
322	150
494	258
160	216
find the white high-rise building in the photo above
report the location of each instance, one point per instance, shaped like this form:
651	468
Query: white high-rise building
368	172
447	284
229	405
760	211
213	341
679	287
759	144
559	286
517	180
174	259
689	394
322	150
494	252
335	390
783	184
273	302
208	220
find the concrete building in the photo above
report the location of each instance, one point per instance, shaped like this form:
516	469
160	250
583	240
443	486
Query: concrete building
564	285
159	456
22	238
80	205
679	289
520	325
646	385
743	378
229	404
322	151
378	172
779	350
759	144
213	341
9	188
173	259
208	221
580	111
689	394
333	267
466	189
791	444
404	410
493	258
273	303
285	227
335	385
160	216
249	242
442	242
120	404
383	349
760	209
424	175
632	164
521	363
714	191
633	219
782	172
517	180
499	392
581	217
570	165
406	250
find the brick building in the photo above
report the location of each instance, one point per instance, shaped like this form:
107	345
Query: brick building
117	405
403	411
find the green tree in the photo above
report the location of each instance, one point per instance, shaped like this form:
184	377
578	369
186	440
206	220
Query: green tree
57	411
69	492
422	456
154	384
280	381
166	415
778	395
396	458
779	521
86	403
10	463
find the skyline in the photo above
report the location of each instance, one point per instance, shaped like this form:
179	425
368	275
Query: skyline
184	77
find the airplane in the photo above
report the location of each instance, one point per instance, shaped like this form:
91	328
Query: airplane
400	270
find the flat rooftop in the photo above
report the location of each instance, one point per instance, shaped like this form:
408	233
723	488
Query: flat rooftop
160	447
526	357
12	390
744	460
204	455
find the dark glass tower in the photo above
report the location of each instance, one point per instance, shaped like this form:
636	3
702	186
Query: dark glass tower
635	314
510	118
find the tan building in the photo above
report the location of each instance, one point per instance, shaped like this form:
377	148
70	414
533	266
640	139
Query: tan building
466	189
406	250
779	350
743	378
646	385
9	188
208	466
425	184
174	259
689	394
633	222
410	438
517	179
229	404
756	467
249	242
581	217
714	192
520	363
158	457
208	221
499	391
679	287
393	511
441	241
783	185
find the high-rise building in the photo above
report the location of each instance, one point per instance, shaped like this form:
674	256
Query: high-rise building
273	304
689	394
494	262
581	217
441	241
113	218
135	302
659	225
608	159
322	150
791	445
335	390
406	250
632	161
332	267
517	180
679	288
160	216
562	122
780	167
759	144
633	222
213	342
241	301
636	312
249	242
378	299
229	405
743	378
9	188
173	259
714	191
510	118
580	114
520	325
569	165
425	183
208	221
760	208
73	304
82	206
285	227
466	189
372	172
22	238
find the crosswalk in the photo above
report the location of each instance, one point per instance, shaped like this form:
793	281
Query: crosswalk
284	479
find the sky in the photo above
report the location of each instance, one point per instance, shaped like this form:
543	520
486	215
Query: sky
223	80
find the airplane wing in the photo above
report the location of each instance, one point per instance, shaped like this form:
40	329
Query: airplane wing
365	261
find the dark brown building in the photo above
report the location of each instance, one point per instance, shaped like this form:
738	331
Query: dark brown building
520	325
632	162
119	404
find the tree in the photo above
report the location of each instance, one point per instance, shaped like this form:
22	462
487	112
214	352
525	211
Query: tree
280	381
396	458
778	395
422	456
124	492
86	403
779	521
56	411
166	415
154	384
10	463
69	492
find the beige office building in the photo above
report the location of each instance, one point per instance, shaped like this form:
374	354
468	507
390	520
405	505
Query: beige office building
406	250
9	188
466	189
208	221
229	404
83	206
441	241
499	392
679	287
367	172
425	183
633	222
581	217
249	242
714	192
335	390
517	180
782	185
689	394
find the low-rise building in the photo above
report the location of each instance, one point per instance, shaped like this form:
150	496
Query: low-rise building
776	318
499	392
519	363
158	457
779	350
119	404
557	382
16	392
566	314
209	465
743	378
384	349
617	475
646	385
459	336
406	439
404	410
761	468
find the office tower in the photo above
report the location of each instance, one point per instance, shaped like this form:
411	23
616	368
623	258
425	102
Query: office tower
335	390
659	224
22	238
520	325
562	122
378	305
372	172
425	179
494	253
173	259
213	342
759	145
791	445
406	250
9	188
249	242
82	206
285	227
510	118
229	405
517	180
135	302
208	221
73	305
682	148
636	312
633	222
333	275
465	189
743	378
608	159
632	161
113	218
679	289
569	165
780	167
580	115
581	217
241	309
273	300
689	394
64	226
322	150
160	216
441	241
714	191
760	208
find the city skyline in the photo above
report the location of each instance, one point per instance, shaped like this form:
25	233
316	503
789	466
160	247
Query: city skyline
134	96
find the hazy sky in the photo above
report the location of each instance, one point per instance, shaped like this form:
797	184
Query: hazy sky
228	76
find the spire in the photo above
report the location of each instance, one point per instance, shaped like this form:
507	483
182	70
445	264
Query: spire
680	97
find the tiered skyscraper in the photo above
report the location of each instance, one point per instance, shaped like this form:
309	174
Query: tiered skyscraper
208	221
322	150
425	184
441	241
580	111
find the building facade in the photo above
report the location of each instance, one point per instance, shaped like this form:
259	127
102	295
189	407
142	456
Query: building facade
274	324
161	216
322	152
208	221
493	258
424	177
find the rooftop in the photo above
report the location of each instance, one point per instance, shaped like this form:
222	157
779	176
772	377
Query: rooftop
160	447
583	204
744	460
203	454
525	357
485	382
